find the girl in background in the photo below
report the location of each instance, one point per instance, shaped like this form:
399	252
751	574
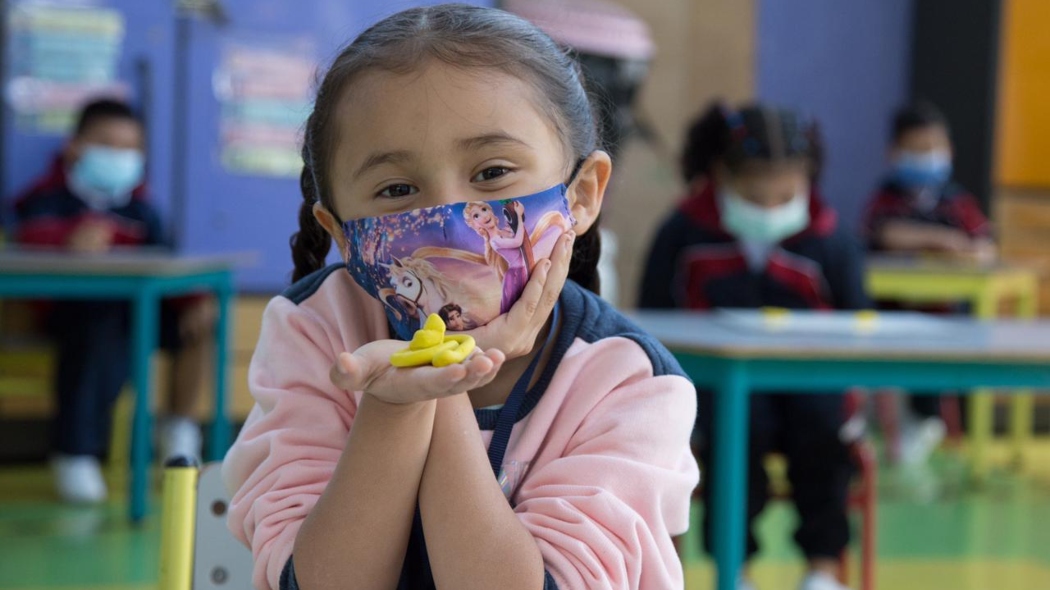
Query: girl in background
753	232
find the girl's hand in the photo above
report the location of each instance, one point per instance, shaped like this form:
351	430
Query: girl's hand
515	332
368	369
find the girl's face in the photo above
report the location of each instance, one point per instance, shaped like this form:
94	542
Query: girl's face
438	136
767	185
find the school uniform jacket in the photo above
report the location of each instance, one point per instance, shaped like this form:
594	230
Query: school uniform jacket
599	460
955	208
694	263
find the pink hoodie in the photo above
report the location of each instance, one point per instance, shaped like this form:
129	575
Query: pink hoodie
599	465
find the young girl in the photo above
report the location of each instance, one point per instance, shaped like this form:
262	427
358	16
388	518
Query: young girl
557	458
753	232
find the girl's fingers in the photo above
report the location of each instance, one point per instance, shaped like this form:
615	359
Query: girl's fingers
558	274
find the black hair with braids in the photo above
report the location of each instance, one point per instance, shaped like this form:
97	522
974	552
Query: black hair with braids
466	37
754	133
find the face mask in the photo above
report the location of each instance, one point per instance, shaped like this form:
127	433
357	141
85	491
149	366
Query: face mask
467	262
918	170
750	223
104	177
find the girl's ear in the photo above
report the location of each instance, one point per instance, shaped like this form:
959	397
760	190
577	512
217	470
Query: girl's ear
334	229
587	191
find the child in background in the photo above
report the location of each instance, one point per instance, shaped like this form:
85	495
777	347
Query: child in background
919	208
91	201
558	457
754	232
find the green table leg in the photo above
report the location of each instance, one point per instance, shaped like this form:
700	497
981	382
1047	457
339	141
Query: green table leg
144	333
220	425
729	480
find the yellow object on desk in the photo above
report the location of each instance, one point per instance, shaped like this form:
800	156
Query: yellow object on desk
430	346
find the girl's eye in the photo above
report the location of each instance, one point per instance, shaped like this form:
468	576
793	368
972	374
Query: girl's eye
490	173
396	191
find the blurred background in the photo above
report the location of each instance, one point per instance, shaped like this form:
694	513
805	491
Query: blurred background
224	87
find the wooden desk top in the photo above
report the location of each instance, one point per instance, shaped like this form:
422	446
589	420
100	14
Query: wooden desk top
840	335
131	262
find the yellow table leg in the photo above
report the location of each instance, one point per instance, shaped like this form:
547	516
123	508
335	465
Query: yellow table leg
1022	405
982	403
177	522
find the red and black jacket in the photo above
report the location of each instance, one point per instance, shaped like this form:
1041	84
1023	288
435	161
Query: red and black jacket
694	263
47	213
954	208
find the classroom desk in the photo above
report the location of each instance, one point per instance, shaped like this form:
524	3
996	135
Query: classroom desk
143	278
734	353
932	280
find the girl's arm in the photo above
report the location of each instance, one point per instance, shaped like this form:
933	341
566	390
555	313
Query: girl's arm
603	512
474	539
308	445
356	535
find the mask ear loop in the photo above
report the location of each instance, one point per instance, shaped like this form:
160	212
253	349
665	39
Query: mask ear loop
575	171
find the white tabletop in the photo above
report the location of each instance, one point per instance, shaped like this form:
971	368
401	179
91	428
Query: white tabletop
847	335
119	262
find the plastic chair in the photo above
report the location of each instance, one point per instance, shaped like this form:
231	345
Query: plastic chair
197	551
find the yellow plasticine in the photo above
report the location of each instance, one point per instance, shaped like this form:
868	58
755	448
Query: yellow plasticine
430	346
418	358
465	346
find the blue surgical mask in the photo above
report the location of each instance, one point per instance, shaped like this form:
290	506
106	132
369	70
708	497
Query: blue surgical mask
922	170
104	177
761	225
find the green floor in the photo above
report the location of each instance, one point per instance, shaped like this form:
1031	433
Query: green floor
935	532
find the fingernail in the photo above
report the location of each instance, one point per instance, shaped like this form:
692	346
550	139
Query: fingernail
546	265
570	241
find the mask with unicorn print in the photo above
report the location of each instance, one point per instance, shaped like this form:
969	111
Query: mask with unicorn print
467	262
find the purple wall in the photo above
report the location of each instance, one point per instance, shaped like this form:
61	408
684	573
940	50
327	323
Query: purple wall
847	64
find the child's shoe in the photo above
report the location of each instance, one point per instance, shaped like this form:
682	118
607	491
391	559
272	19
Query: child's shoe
78	479
180	437
820	581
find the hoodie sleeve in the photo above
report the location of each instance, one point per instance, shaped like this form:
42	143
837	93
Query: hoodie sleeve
287	451
658	277
603	514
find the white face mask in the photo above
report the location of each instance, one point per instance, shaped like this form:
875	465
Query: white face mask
750	223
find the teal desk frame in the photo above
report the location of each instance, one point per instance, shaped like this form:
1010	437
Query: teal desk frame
145	292
734	377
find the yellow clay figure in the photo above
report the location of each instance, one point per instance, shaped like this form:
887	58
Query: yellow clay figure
430	346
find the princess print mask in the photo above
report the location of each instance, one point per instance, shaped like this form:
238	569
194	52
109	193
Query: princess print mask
467	262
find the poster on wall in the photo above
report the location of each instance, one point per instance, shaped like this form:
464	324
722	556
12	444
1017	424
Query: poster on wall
61	54
264	88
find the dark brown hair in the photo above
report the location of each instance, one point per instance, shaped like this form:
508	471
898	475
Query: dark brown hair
754	133
463	36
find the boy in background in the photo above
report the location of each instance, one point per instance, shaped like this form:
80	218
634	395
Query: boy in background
918	209
91	201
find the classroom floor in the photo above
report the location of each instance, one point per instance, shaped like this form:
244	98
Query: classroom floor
935	532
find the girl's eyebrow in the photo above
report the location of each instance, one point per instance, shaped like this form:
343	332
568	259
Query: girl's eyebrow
495	139
377	159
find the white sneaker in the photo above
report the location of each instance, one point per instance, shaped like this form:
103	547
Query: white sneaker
180	437
821	581
78	479
920	440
